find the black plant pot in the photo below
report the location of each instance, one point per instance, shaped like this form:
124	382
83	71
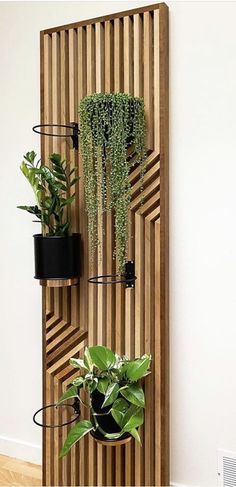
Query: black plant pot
57	257
107	423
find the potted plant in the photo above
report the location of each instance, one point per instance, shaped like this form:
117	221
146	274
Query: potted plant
115	397
56	250
110	124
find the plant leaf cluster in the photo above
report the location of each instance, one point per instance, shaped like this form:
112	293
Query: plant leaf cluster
117	378
52	189
110	123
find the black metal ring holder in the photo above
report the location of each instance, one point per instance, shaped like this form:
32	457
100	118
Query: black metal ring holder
128	278
72	125
75	406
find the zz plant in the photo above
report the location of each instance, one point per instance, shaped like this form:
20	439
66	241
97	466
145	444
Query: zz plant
110	123
51	188
116	379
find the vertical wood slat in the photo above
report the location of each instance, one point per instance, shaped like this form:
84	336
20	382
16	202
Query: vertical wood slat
109	222
92	292
99	53
118	55
148	75
139	317
55	100
90	59
164	237
64	91
126	53
119	305
49	466
138	55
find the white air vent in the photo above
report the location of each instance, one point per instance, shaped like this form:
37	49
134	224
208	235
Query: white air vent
226	468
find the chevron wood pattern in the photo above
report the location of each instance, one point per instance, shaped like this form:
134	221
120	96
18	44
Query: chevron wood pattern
126	52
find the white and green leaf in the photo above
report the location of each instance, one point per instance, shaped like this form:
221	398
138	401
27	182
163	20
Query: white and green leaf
119	409
102	357
111	394
76	433
77	363
71	392
132	418
103	384
137	368
134	394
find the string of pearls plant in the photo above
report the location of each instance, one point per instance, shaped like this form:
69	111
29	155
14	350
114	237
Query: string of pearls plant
110	123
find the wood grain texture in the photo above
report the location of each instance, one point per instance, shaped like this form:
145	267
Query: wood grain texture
123	52
17	472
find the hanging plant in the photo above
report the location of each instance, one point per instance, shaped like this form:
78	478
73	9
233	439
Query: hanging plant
109	125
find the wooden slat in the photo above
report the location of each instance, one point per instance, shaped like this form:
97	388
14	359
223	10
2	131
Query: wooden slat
118	55
138	55
109	57
156	92
90	59
139	319
128	55
148	75
164	237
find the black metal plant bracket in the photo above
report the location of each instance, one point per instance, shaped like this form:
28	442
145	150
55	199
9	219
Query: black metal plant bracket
72	125
128	278
75	406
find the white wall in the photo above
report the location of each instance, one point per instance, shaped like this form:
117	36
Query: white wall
203	239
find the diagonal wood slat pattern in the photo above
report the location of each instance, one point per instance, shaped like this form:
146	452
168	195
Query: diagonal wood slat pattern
126	52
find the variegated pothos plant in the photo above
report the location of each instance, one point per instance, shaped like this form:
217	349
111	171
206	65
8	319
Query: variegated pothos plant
117	378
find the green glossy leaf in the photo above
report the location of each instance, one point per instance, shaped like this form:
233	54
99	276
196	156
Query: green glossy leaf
137	368
74	181
103	383
113	436
135	434
91	385
71	392
132	418
88	360
68	201
76	433
134	394
55	158
59	175
31	209
30	156
102	357
111	394
33	179
118	410
78	382
77	363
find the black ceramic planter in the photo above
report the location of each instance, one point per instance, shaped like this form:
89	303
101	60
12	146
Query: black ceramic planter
107	422
57	257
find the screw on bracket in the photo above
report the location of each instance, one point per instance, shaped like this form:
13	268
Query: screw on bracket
130	274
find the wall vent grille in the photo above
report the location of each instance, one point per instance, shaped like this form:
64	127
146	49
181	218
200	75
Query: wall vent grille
226	468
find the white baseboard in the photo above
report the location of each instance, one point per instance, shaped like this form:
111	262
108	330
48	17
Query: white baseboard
174	484
20	449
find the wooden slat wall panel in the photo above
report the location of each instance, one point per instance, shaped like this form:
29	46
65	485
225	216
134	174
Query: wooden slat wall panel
124	52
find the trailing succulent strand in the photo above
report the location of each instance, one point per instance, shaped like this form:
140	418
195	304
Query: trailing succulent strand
111	123
51	188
